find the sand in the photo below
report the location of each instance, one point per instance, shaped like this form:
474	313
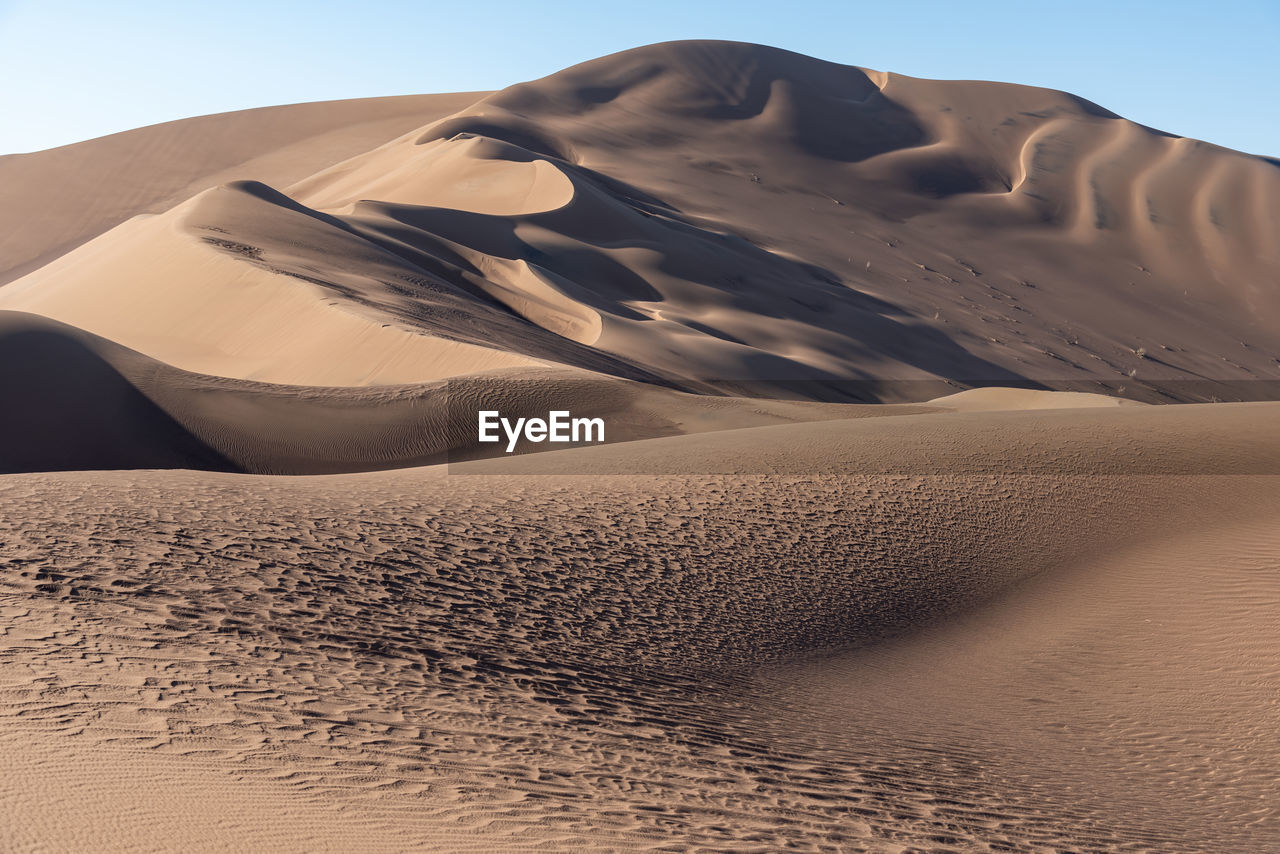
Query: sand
627	662
711	214
52	201
935	511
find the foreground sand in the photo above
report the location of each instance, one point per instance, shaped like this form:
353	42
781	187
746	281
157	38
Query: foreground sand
417	659
53	201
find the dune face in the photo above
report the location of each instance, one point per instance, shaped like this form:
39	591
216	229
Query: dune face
716	215
71	403
883	547
77	401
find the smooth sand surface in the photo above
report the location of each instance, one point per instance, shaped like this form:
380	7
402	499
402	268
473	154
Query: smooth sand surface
884	549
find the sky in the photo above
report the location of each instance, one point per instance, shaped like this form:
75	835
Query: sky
75	70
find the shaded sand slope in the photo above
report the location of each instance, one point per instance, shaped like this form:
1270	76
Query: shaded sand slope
76	401
721	215
966	207
567	661
69	404
52	201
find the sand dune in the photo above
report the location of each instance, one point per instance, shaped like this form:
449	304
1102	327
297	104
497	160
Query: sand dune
73	402
984	399
77	401
884	550
52	201
155	286
835	226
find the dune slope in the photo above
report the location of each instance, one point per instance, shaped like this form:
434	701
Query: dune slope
715	215
76	401
52	201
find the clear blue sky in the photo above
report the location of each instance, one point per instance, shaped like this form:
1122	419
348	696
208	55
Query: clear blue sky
73	69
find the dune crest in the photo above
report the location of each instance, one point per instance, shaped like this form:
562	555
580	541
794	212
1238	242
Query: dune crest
465	173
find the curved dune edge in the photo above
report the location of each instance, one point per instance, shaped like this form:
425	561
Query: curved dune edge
536	296
471	174
77	401
80	402
156	287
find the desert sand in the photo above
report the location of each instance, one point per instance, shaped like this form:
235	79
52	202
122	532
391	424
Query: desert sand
937	509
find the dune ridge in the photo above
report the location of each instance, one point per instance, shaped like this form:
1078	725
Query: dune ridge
77	401
52	201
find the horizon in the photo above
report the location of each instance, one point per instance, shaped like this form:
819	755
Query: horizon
98	75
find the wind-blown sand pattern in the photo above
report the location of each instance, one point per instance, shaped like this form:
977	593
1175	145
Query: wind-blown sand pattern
263	590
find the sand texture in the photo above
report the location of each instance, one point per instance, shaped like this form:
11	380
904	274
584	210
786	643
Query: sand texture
937	510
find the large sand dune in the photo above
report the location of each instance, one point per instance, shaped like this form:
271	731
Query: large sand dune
715	214
884	550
